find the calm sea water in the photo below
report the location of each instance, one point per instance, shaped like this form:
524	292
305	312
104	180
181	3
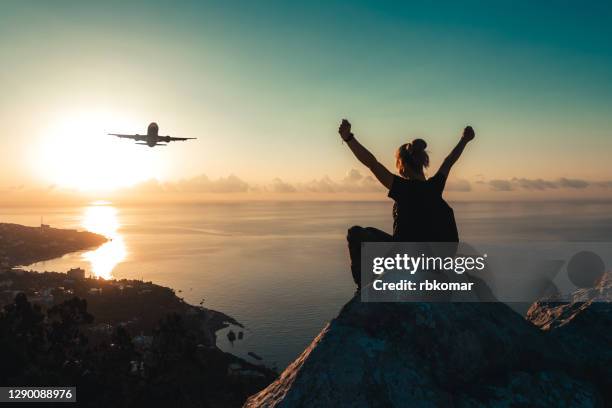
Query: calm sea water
281	268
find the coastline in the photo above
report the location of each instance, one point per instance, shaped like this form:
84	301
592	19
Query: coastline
22	245
142	309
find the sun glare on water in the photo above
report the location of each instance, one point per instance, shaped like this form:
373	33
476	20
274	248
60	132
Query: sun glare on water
102	219
76	152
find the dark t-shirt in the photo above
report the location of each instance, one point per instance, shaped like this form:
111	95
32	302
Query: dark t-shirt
420	214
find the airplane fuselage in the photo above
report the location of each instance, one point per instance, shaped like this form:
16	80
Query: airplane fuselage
152	132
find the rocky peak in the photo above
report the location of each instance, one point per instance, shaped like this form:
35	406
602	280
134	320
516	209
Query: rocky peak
454	354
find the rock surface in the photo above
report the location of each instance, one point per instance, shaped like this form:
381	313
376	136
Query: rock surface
453	354
582	325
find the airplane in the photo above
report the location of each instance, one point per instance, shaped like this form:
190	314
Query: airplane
152	139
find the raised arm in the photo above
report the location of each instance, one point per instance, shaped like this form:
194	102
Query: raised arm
364	156
468	135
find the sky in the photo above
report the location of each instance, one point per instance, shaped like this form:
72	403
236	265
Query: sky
263	86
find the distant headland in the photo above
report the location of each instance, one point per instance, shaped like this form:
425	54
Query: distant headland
21	245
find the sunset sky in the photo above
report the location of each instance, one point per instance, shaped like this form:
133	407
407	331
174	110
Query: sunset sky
263	85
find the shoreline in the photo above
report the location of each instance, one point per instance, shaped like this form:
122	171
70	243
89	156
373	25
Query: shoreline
137	305
159	327
22	245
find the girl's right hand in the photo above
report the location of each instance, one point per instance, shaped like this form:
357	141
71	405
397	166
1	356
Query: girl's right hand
468	134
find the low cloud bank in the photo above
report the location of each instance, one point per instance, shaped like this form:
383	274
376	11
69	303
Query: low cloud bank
541	184
353	182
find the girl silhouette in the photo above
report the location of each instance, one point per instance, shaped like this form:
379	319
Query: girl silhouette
420	214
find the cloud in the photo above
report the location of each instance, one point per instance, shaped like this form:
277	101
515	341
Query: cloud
279	186
501	185
199	184
458	185
353	176
534	184
353	182
323	185
541	184
231	184
573	183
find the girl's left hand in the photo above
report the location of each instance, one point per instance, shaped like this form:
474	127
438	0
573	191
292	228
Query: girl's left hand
345	130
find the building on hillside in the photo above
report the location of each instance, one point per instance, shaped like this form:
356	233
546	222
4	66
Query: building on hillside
43	225
76	273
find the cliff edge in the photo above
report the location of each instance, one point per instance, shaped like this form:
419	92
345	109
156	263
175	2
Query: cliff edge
454	354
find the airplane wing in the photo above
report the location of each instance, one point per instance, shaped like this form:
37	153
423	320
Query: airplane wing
135	137
173	139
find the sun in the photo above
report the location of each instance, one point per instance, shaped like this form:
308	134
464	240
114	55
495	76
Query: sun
75	152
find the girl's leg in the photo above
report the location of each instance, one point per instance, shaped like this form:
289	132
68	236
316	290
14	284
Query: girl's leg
355	236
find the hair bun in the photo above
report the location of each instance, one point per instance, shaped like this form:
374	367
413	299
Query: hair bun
412	156
418	145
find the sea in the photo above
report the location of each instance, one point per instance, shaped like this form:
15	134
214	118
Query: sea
279	268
